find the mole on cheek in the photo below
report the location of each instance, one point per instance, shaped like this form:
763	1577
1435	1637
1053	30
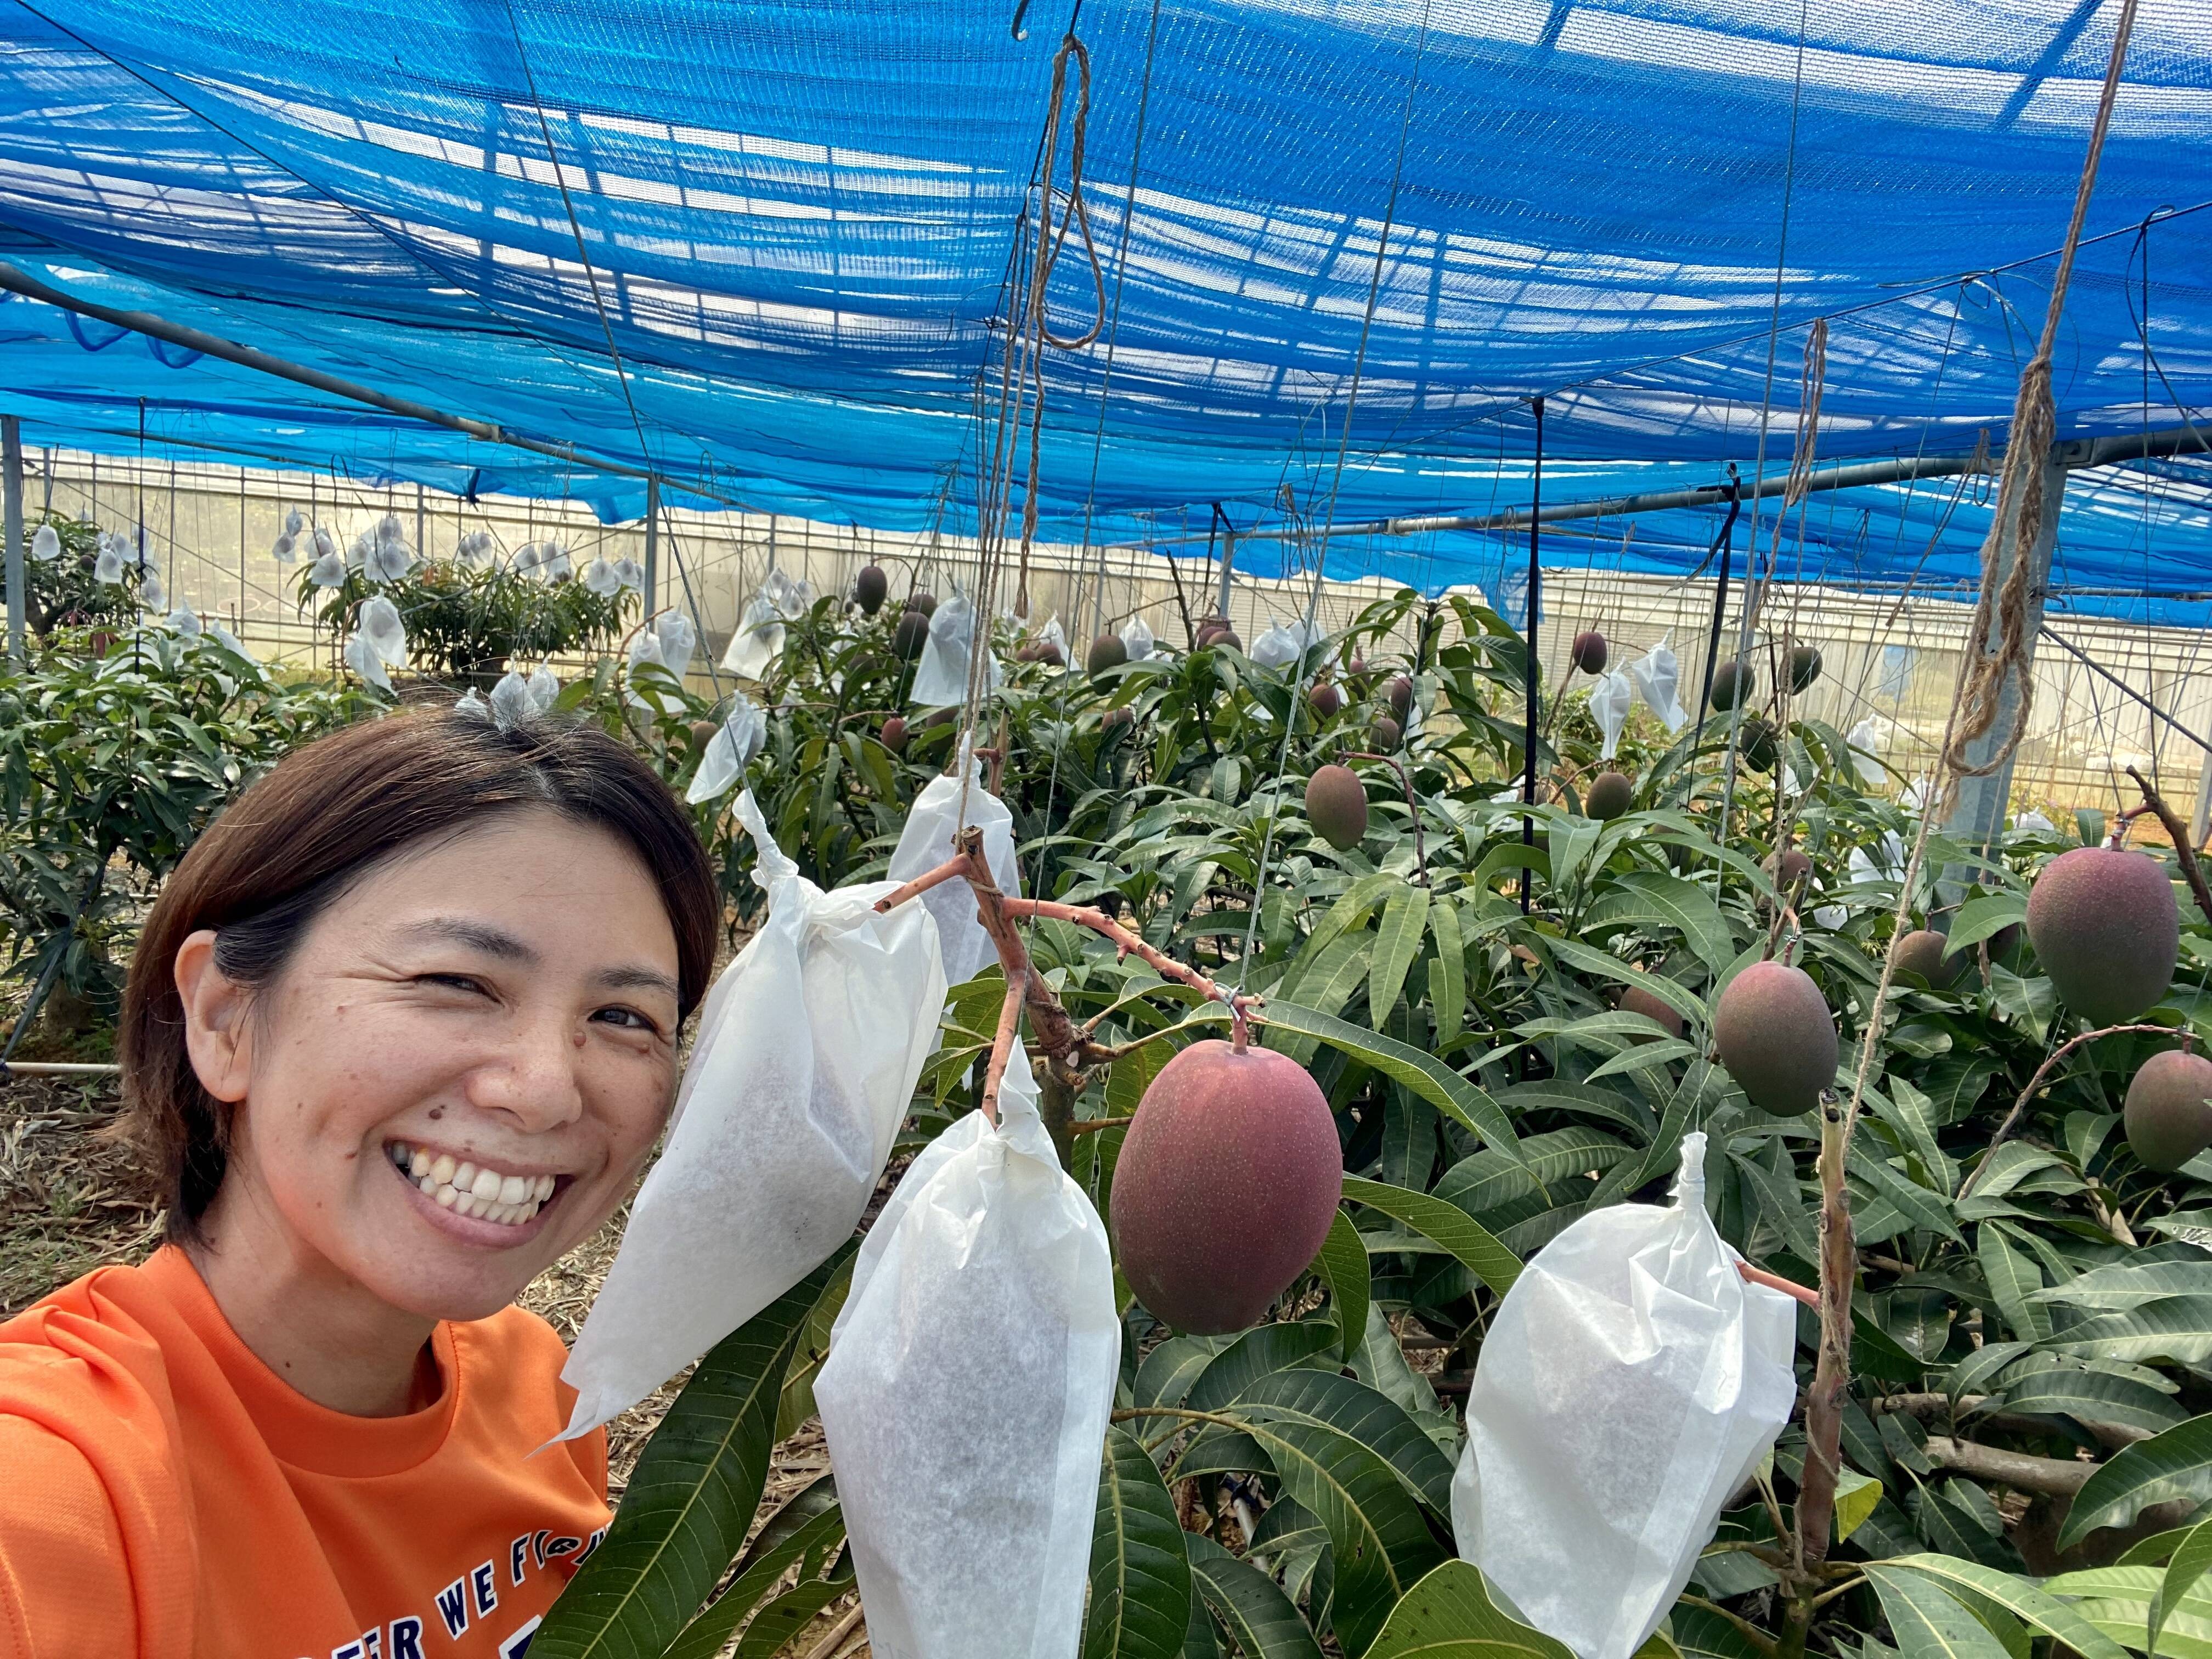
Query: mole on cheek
437	1112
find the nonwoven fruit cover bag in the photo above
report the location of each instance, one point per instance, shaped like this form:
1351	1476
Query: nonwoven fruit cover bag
1658	675
927	842
970	1374
940	679
1629	1384
804	1067
1610	700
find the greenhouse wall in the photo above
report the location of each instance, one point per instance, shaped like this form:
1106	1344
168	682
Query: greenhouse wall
1890	657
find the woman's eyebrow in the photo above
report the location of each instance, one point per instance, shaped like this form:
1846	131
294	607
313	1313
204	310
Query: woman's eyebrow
475	935
636	979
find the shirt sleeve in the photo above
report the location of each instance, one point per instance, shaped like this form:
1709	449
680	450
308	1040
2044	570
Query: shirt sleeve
65	1589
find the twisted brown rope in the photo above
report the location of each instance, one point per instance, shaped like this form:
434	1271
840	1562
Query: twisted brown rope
1050	242
2000	636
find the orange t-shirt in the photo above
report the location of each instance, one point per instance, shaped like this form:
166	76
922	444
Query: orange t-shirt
165	1495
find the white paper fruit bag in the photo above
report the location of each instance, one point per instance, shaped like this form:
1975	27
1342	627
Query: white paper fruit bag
1628	1386
966	1394
804	1067
927	842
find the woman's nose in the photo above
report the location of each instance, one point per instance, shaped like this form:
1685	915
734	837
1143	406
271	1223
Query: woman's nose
535	1077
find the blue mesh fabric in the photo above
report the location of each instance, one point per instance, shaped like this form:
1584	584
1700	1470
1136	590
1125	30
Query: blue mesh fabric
800	217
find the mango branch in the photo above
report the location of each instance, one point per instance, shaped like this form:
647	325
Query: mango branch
2035	1086
1067	1051
2178	833
1412	806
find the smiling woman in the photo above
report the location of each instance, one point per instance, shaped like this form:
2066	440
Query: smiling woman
401	1029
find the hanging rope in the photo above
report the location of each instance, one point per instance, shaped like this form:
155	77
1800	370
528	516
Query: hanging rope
2000	638
1328	520
1051	241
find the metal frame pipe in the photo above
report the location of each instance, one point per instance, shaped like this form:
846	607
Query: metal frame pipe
17	281
2183	440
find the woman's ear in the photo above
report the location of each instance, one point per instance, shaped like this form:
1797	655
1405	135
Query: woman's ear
218	1035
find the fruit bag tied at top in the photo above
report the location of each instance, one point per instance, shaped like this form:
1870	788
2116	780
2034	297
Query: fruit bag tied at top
965	1398
928	841
1629	1384
803	1069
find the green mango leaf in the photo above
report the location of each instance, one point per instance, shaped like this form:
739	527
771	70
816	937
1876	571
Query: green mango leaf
1485	1181
2179	1328
1381	1543
1982	918
796	1402
2191	1556
2117	1602
1343	1265
1658	1053
692	1495
1929	1622
2094	1396
2123	1285
1450	1615
1445	1223
1365	1414
1446	971
785	1616
1350	913
1140	1580
1857	1495
1404	923
1645	897
1258	1617
1165	1376
2013	1280
1256	1353
1424	1073
1381	1364
1605	965
807	1529
2175	1464
2036	1607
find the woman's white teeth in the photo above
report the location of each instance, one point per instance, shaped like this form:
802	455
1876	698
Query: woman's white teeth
467	1190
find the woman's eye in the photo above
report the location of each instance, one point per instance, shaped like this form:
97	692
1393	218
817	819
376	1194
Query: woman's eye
450	981
628	1018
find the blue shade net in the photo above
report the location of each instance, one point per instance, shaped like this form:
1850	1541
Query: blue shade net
798	224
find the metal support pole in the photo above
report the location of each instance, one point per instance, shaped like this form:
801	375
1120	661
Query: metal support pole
1977	814
652	546
11	463
421	547
1534	599
1228	565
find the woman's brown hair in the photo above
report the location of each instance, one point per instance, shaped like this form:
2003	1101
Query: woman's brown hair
321	819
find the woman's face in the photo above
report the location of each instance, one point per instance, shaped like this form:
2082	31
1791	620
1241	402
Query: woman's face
462	1066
